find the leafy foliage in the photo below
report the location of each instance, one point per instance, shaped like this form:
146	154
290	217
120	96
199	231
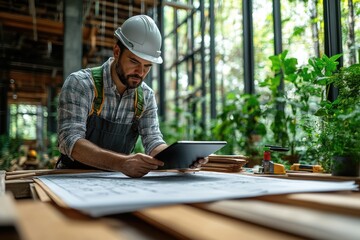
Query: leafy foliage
9	150
340	132
239	123
291	113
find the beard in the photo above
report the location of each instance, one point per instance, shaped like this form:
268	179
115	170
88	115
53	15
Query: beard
131	80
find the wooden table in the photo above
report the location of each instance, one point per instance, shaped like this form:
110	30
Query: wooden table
293	216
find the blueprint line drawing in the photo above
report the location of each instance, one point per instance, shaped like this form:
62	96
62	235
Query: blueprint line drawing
103	193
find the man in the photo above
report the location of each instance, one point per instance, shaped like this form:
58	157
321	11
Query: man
103	110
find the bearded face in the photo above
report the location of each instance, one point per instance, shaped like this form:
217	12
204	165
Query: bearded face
130	80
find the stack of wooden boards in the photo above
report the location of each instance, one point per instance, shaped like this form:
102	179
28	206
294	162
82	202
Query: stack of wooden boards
251	218
225	163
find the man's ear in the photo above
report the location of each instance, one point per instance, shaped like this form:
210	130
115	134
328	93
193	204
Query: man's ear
117	51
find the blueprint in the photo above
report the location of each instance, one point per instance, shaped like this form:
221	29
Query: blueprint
104	193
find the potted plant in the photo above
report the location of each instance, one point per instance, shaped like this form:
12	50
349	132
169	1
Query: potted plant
340	129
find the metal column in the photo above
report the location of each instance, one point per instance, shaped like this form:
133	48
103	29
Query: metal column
333	41
278	44
277	26
162	87
212	61
203	67
176	36
192	60
72	37
248	47
4	86
52	110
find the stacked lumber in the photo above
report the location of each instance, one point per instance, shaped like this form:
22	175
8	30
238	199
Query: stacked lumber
225	163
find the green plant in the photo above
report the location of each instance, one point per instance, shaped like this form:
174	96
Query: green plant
51	154
291	113
240	124
52	148
285	107
340	135
9	151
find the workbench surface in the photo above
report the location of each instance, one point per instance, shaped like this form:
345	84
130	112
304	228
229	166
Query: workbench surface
26	214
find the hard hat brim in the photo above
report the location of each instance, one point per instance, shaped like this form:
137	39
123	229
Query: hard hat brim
147	57
157	60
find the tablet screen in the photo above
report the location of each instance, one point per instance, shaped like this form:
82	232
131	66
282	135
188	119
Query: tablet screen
181	154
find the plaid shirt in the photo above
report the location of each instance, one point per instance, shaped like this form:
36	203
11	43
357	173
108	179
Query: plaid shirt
75	104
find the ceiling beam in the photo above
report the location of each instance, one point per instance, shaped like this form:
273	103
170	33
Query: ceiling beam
26	22
35	77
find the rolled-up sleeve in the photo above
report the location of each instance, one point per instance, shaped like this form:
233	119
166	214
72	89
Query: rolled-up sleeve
75	102
149	125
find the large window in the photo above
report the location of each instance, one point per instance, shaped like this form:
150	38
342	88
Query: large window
27	122
188	61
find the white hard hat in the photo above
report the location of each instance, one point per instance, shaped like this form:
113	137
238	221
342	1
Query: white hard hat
142	37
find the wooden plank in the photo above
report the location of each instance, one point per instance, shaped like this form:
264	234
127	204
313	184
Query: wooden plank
38	220
296	220
29	27
322	177
19	176
227	157
8	217
222	165
217	169
7	213
32	95
186	222
51	194
29	174
48	26
28	171
2	182
19	188
343	203
43	196
33	192
57	27
126	7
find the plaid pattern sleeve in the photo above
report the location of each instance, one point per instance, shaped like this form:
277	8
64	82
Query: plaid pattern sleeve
75	102
149	124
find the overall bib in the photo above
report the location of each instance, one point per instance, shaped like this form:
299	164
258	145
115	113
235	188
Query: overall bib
117	137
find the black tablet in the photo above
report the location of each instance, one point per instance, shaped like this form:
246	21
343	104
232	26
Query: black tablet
181	154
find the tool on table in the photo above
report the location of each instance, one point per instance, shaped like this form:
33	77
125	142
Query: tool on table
268	166
277	148
306	168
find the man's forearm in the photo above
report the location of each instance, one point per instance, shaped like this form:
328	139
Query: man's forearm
90	154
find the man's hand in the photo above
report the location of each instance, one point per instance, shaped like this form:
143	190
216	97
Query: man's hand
138	165
199	162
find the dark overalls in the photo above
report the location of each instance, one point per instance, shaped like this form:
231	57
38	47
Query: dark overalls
118	137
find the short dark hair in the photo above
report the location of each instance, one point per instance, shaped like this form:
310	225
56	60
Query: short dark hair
121	46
